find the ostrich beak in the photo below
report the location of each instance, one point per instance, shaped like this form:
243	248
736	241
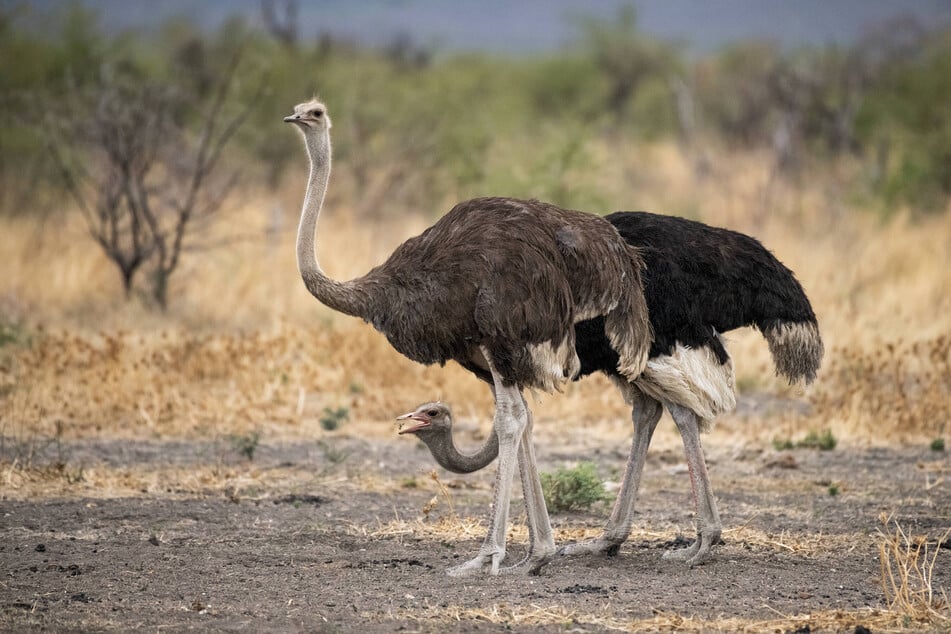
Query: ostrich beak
421	422
293	118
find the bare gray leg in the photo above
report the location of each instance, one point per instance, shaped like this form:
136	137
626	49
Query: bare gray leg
708	518
541	543
509	425
645	413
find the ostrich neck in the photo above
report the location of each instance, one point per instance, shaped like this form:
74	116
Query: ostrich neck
443	448
345	297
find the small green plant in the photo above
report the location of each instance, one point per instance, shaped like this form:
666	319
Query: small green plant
833	490
937	444
331	418
246	444
10	333
572	489
781	444
823	441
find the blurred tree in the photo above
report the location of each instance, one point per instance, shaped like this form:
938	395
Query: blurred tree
29	67
627	58
734	91
905	119
141	179
280	20
416	130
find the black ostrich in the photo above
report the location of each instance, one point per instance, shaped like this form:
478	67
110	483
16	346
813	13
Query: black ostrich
699	281
497	284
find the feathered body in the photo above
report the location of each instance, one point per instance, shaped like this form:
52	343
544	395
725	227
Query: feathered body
513	276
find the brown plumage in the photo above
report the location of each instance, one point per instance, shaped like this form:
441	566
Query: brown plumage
508	274
496	284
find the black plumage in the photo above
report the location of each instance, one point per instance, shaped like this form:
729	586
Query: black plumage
699	281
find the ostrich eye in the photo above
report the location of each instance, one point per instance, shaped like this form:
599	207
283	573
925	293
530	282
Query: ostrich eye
317	113
432	413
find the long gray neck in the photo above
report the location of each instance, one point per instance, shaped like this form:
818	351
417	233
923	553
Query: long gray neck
443	448
346	297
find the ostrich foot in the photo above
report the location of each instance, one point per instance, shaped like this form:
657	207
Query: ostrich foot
600	546
477	564
697	553
535	560
531	563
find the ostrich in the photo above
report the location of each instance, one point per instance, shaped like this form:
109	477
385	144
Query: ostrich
432	423
699	281
497	285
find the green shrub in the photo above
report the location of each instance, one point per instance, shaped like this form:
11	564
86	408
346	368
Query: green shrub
823	441
331	418
781	444
572	489
246	444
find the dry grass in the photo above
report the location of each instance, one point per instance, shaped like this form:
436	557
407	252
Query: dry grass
452	529
907	569
505	615
23	481
244	346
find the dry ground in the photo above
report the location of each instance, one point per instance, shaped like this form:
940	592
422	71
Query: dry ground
126	502
351	534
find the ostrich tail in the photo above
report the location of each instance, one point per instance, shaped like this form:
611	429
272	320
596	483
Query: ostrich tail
796	348
629	331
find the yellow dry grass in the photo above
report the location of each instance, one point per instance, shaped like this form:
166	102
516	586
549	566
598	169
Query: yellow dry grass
245	347
506	615
907	569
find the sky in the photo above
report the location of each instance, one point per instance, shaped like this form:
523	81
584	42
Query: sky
529	26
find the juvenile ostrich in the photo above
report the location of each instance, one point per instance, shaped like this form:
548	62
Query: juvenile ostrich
699	281
497	284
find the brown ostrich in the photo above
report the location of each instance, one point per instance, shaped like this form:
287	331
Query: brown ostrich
497	285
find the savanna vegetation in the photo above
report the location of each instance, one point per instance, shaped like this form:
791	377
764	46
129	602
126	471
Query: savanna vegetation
149	192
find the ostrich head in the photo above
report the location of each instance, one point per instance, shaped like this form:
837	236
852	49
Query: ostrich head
310	115
428	419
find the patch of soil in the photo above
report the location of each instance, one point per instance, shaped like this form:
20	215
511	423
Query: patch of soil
282	560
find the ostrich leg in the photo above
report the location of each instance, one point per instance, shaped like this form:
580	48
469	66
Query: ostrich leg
645	412
708	518
509	425
541	543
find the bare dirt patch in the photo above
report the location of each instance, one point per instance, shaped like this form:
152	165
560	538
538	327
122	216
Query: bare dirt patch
347	537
